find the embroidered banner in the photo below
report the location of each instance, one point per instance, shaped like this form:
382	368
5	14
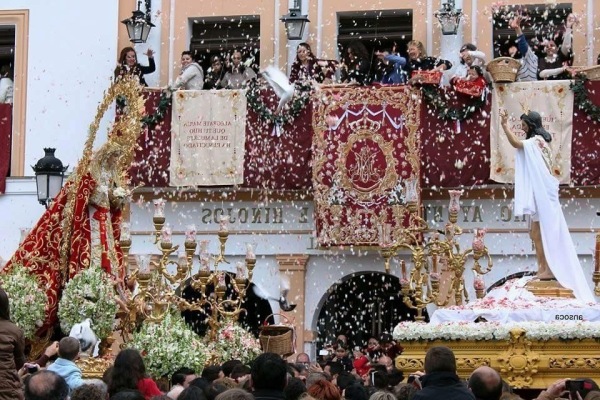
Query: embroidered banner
554	101
365	153
208	137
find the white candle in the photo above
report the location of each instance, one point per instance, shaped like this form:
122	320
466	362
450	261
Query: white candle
221	280
159	208
250	255
125	231
240	270
190	233
223	221
143	261
166	234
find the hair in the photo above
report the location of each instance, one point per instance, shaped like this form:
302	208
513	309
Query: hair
382	395
592	395
419	45
359	50
179	376
127	371
486	384
192	393
440	359
227	382
269	371
534	123
228	366
324	390
379	378
187	53
215	389
46	385
235	394
201	383
310	57
88	392
404	391
294	389
335	367
123	54
356	391
4	305
345	379
239	371
477	69
469	47
128	394
211	372
68	348
5	70
313	377
395	376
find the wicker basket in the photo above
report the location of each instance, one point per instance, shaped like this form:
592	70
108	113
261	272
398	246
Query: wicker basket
503	69
278	339
592	73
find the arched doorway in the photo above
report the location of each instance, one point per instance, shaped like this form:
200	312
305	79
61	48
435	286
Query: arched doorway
360	306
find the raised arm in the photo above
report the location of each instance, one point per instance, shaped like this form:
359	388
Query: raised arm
510	135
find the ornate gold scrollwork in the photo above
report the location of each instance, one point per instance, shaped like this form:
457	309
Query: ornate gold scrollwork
518	364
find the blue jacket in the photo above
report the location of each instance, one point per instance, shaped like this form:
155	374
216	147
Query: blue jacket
396	75
68	370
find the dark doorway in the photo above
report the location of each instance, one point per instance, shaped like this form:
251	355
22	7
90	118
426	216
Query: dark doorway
365	305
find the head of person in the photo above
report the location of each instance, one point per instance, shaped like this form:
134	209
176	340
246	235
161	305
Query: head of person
186	58
345	379
303	358
356	391
379	377
268	372
46	385
486	384
216	64
382	395
183	377
405	391
68	348
228	366
4	305
215	389
475	71
304	53
440	359
513	51
128	370
314	377
235	394
550	47
324	390
465	57
212	372
128	57
372	343
239	372
236	58
385	362
88	392
341	351
128	394
416	50
5	71
356	50
531	123
294	389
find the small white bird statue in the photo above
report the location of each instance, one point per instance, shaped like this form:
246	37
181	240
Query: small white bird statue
284	286
280	84
88	341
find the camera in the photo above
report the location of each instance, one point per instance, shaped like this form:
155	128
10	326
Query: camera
32	368
323	352
576	385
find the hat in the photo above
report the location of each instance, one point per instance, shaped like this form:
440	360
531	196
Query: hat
534	122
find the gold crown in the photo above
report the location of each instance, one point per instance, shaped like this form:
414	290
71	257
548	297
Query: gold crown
365	124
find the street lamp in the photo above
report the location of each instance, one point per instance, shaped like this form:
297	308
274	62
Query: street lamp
139	25
449	18
294	22
49	174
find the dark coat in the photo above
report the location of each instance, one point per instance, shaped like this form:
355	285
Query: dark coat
267	394
443	385
137	70
12	359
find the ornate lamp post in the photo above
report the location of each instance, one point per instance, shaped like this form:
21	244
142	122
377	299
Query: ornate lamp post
449	18
139	25
295	22
49	175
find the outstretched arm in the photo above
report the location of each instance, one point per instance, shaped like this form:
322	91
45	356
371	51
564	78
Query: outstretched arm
510	135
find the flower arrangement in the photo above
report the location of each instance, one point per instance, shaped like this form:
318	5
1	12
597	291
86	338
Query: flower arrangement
169	345
90	294
234	343
27	299
536	330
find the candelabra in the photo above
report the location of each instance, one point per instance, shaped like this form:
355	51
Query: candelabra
159	291
421	285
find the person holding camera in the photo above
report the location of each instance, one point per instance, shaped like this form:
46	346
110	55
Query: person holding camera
575	388
12	358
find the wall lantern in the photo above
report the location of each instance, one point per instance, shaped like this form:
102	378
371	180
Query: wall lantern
295	22
449	18
49	175
139	25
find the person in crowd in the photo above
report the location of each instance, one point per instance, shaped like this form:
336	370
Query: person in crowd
307	67
556	389
6	85
356	64
474	84
303	358
45	384
128	65
180	380
48	353
389	67
536	194
356	391
557	59
129	372
12	358
373	350
228	367
486	383
88	392
344	379
212	372
215	74
294	389
360	363
240	374
440	380
419	61
128	394
235	394
68	352
216	388
191	76
238	75
324	390
269	377
382	395
405	391
341	356
378	379
316	376
389	346
469	56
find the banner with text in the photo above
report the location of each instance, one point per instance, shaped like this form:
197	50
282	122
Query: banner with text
554	101
366	164
208	138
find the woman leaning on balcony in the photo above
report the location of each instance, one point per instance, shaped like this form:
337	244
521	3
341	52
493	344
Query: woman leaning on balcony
307	67
128	65
238	74
419	61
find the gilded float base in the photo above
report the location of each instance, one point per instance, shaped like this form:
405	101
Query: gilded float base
523	363
93	368
549	289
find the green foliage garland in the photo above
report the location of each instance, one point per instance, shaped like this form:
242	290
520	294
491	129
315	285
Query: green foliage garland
437	100
289	112
582	98
151	120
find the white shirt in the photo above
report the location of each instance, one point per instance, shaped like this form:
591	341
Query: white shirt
6	90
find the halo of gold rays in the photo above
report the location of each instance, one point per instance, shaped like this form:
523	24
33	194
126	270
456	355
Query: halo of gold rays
124	134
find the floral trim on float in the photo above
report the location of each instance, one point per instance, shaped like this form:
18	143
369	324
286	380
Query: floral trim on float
234	343
169	345
302	91
90	294
27	300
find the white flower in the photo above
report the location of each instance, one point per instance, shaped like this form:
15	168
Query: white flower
120	193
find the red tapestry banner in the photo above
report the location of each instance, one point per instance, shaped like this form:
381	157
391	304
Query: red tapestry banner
365	162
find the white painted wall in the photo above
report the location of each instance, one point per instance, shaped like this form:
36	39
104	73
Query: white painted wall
71	58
